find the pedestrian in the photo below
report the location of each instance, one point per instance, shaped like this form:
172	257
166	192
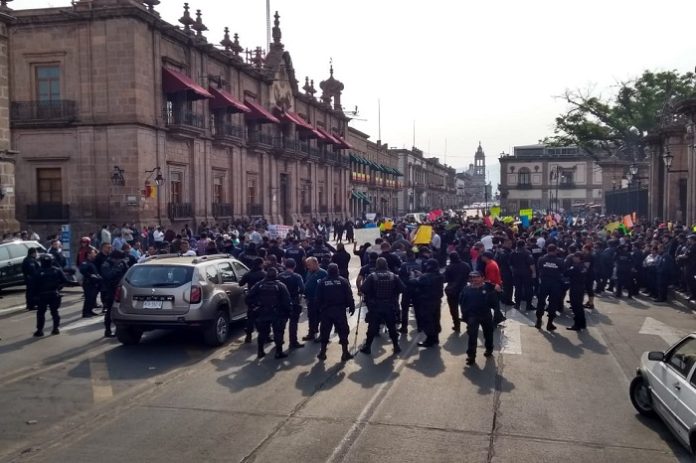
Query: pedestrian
342	259
295	285
428	289
49	281
333	298
577	275
271	301
476	303
456	274
623	269
111	271
502	257
30	269
314	275
406	273
494	283
381	290
250	279
91	282
349	228
550	286
523	273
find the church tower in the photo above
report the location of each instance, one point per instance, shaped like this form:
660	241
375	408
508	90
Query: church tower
480	162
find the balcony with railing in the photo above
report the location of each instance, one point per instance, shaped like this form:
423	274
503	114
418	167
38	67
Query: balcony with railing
179	210
524	186
228	132
264	140
41	113
48	212
338	208
254	210
566	184
222	210
183	120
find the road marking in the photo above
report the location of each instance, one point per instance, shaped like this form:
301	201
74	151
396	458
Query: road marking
101	382
511	335
657	328
83	322
23	307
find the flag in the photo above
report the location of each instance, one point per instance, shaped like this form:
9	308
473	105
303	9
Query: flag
525	221
495	211
424	235
527	213
610	227
153	191
487	220
628	221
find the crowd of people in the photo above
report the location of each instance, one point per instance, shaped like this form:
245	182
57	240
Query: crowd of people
475	264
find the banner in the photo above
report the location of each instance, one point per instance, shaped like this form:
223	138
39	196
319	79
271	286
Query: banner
276	231
525	221
424	235
526	213
628	221
488	221
495	211
366	235
433	215
371	216
610	227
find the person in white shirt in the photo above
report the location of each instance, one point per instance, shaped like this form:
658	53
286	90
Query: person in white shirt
105	235
151	251
541	242
436	243
487	241
185	249
158	235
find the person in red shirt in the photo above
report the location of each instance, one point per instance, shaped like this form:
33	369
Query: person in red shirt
495	281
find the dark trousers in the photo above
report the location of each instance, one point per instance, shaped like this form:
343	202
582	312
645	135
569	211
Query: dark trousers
623	280
554	293
473	322
263	326
334	317
31	298
576	296
508	285
430	319
313	316
377	316
250	321
47	301
107	297
90	301
523	291
406	303
453	304
294	318
662	287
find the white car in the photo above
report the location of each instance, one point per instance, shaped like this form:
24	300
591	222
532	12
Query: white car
665	386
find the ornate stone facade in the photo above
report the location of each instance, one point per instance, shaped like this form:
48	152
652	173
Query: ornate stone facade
122	117
427	183
8	223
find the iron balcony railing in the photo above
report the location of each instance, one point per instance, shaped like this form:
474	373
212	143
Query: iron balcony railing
260	138
43	111
254	209
48	212
338	208
179	210
222	210
524	186
182	117
229	130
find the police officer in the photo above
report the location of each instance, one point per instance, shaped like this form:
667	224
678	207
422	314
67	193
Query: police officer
271	300
295	285
48	282
334	296
112	270
249	279
550	286
314	275
523	269
406	272
91	282
476	302
502	257
381	290
456	274
428	289
321	252
30	268
624	267
577	275
298	254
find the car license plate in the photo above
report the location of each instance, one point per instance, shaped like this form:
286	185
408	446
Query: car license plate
152	304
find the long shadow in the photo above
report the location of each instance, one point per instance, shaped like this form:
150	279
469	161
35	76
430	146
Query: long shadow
455	344
370	373
429	362
488	378
21	344
590	343
595	318
320	378
562	345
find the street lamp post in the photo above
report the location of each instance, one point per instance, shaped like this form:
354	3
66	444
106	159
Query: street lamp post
159	180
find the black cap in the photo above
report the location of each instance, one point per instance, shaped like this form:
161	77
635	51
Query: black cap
475	273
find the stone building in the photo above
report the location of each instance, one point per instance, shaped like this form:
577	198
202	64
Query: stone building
476	189
375	177
549	178
8	223
120	116
427	183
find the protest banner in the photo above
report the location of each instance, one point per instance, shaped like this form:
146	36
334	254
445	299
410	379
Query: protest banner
495	211
366	235
424	235
277	231
526	213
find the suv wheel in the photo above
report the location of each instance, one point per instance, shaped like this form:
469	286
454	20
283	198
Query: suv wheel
219	330
640	397
127	335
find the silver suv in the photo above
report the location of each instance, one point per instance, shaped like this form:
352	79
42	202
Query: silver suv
170	291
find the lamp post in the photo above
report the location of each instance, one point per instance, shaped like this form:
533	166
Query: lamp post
159	180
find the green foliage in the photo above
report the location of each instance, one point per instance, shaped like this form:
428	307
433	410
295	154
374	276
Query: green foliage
617	124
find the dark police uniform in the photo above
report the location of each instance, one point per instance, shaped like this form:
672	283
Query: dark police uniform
577	276
249	280
271	300
476	305
520	263
381	290
48	282
456	275
295	286
428	290
624	269
550	286
298	255
502	257
334	296
322	254
30	269
112	270
407	297
91	282
312	280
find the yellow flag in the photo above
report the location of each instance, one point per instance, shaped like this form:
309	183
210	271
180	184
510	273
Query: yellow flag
610	227
526	212
495	211
424	235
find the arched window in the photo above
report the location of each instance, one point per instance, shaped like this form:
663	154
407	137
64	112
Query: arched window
524	176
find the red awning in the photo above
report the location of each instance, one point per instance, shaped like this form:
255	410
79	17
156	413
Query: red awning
259	112
344	145
175	82
224	100
302	124
331	138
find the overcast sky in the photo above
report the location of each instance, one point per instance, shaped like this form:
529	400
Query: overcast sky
464	71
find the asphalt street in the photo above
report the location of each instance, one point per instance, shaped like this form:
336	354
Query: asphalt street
543	397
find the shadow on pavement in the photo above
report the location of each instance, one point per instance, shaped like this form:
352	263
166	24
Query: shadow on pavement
429	362
370	373
660	428
319	378
455	344
488	378
562	345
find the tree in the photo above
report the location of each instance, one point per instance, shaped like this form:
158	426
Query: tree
617	125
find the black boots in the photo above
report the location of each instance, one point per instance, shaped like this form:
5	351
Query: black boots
322	352
279	354
550	326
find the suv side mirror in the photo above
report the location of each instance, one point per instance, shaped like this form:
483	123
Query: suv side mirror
656	356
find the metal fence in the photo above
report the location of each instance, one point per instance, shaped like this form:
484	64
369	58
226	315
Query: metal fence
627	200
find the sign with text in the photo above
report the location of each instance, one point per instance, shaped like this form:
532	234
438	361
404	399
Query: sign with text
279	231
366	235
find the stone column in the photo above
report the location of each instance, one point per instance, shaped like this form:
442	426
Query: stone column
8	223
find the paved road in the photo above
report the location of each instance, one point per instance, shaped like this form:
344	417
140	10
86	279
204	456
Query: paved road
78	397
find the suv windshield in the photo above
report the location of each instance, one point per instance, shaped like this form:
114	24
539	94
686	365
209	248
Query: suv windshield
159	276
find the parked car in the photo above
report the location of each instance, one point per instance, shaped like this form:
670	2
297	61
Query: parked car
11	256
172	291
665	386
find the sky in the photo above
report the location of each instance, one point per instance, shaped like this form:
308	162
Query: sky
460	71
